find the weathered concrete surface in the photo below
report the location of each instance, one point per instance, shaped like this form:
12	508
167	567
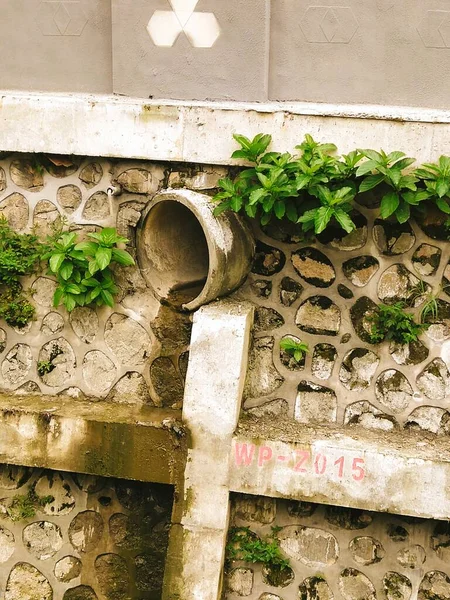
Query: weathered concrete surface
377	471
202	131
212	401
97	438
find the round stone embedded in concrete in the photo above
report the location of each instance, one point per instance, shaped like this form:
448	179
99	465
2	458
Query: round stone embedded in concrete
354	585
366	550
186	254
426	260
69	197
86	530
113	577
323	359
46	217
91	174
15	210
67	568
268	260
411	557
315	403
17	364
314	267
25	174
42	539
240	581
311	546
52	485
393	391
255	508
267	319
365	414
127	340
84	321
97	207
81	592
319	315
361	269
276	576
429	418
434	586
393	238
396	586
99	371
60	361
290	291
25	582
315	588
7	544
262	376
358	368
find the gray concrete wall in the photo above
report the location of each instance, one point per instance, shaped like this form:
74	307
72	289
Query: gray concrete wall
357	51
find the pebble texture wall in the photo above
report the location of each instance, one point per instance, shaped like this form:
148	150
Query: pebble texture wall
322	292
134	353
341	553
76	537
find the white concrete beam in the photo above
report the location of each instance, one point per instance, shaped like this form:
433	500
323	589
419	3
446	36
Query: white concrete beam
201	132
377	471
212	401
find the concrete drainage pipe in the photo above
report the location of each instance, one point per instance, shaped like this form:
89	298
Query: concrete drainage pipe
188	256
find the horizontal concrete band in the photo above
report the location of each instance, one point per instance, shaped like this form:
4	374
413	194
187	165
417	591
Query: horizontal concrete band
96	438
376	471
201	132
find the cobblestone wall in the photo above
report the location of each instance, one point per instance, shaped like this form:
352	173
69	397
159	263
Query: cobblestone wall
134	353
343	553
323	292
65	536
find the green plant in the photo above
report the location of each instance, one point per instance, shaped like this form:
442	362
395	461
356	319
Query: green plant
82	269
388	169
311	188
334	205
429	311
44	367
19	257
295	349
436	178
393	323
24	506
243	544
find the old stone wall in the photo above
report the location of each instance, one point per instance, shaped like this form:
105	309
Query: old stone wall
78	537
343	553
319	291
322	292
135	352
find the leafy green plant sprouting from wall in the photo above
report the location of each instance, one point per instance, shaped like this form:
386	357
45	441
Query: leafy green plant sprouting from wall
20	255
243	544
316	188
83	269
294	348
392	323
24	506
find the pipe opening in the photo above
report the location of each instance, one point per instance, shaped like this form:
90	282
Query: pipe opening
176	252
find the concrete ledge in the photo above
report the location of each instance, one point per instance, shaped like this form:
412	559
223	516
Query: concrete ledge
399	473
97	438
201	132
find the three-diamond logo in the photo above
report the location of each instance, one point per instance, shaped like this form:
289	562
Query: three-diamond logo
202	29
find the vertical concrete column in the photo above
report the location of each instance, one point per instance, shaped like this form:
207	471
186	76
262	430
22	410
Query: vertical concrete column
212	401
